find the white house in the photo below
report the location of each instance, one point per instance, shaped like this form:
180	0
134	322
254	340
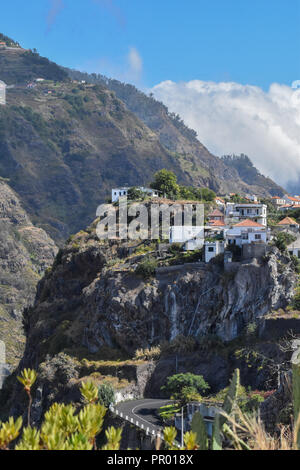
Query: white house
220	202
212	249
256	212
247	231
116	193
294	248
188	233
288	224
2	93
278	201
292	200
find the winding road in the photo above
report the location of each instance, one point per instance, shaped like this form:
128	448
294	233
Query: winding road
144	411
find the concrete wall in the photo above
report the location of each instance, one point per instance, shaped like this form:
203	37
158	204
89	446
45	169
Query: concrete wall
4	370
2	93
254	250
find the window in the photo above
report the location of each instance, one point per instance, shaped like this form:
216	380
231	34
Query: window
257	237
211	249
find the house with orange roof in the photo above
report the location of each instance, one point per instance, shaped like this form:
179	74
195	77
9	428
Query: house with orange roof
288	223
236	212
216	215
246	232
220	202
278	201
293	200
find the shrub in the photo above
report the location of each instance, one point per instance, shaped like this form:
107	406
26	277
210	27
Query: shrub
148	354
106	395
282	240
147	268
184	386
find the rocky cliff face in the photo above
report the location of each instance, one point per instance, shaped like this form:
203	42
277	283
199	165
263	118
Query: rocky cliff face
92	305
26	252
92	299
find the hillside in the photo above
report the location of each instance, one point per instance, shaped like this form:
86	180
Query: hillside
195	159
64	145
18	66
25	253
93	311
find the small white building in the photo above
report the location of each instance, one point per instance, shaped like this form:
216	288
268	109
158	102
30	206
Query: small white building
294	248
212	249
292	200
247	231
2	93
4	370
253	211
278	201
190	235
116	193
220	202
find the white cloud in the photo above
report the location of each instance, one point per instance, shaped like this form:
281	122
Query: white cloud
234	118
135	61
55	7
128	68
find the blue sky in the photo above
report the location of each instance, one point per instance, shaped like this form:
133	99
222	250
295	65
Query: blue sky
253	42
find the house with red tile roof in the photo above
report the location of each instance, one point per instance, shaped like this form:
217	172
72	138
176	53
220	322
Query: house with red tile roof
220	202
293	200
288	224
241	211
246	232
216	215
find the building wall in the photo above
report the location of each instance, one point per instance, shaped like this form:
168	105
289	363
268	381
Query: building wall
254	250
213	249
4	370
2	93
181	233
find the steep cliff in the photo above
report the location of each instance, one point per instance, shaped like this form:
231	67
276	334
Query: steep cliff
26	252
93	306
92	299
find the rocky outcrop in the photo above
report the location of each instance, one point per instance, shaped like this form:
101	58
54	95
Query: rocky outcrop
93	305
26	252
84	303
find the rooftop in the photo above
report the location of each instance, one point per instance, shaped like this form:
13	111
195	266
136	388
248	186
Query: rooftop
249	223
216	213
288	221
216	223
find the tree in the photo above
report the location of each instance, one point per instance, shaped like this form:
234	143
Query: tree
185	387
134	194
282	240
166	182
106	395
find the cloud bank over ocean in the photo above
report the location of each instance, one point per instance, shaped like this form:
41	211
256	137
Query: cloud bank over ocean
233	118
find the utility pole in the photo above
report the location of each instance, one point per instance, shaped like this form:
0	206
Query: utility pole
182	426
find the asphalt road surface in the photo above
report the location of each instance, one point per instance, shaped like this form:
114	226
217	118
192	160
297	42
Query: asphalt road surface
145	411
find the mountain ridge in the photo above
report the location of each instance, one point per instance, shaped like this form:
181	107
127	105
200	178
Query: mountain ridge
64	145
